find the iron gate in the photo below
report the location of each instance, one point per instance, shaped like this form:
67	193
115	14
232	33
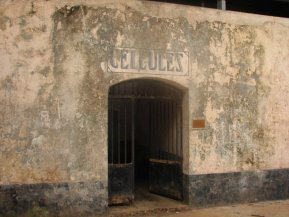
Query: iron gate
121	151
164	141
165	163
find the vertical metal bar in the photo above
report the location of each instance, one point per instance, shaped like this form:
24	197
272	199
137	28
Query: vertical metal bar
133	128
118	131
164	135
177	130
172	125
168	125
171	128
109	132
181	131
162	127
150	127
159	128
175	112
125	131
156	137
154	127
112	131
132	138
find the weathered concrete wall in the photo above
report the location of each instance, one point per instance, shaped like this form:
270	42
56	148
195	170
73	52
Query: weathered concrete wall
242	95
54	85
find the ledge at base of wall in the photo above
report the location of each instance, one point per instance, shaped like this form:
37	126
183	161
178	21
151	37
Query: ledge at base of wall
237	187
51	199
88	198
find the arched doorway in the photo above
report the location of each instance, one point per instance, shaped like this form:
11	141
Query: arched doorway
144	139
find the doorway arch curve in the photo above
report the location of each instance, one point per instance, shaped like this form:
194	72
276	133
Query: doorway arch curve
160	80
145	138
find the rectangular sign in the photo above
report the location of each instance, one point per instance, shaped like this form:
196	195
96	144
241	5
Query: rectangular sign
148	61
199	124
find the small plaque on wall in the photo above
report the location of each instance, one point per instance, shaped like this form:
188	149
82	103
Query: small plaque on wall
199	124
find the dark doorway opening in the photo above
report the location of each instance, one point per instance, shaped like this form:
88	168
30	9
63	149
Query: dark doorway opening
144	140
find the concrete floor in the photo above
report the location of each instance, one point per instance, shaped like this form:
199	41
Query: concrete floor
152	205
263	209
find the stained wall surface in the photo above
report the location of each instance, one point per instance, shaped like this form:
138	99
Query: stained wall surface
58	60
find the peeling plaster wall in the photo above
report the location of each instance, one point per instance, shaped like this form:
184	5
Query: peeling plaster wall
54	85
242	94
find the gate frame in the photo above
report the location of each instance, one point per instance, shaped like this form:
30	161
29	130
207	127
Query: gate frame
185	126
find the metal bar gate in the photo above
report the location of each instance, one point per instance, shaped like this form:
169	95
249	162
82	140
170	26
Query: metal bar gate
121	151
157	106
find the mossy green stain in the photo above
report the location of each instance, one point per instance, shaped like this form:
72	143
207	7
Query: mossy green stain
4	20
